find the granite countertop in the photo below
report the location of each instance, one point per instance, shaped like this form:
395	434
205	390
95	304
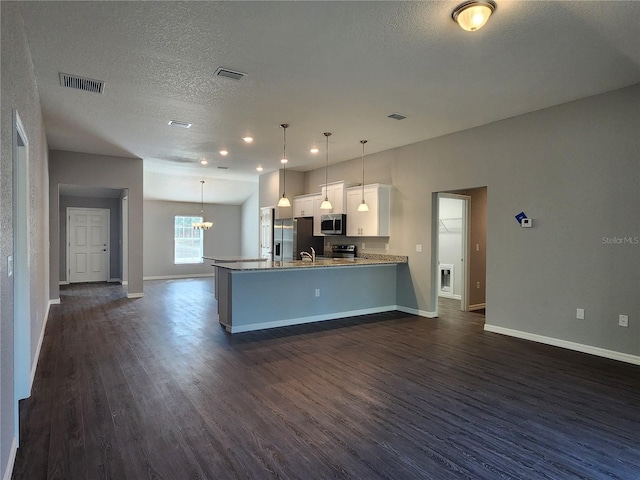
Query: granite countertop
319	263
233	259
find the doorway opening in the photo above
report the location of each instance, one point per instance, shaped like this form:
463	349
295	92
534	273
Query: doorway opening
21	268
459	252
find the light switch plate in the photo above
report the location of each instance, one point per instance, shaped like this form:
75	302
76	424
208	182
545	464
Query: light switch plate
623	320
580	313
9	265
418	248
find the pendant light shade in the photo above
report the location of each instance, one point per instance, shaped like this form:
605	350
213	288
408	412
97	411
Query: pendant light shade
284	201
326	204
202	225
472	15
363	207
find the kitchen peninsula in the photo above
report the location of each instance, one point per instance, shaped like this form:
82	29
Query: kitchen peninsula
257	295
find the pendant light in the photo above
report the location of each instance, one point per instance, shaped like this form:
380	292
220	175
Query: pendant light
326	204
284	201
202	225
472	15
363	207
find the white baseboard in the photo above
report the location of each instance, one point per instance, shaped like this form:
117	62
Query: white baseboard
8	471
414	311
172	277
579	347
34	365
63	282
54	301
310	319
477	306
135	295
125	282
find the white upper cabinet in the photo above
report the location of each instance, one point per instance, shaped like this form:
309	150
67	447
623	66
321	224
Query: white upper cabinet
335	192
377	221
303	206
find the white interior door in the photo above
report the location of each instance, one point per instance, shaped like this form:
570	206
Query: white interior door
266	231
88	244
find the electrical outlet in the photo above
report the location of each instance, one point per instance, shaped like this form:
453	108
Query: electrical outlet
9	266
580	313
362	247
623	320
386	246
477	247
317	292
477	284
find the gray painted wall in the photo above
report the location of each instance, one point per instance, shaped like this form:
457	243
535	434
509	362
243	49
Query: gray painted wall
222	239
86	169
250	229
572	168
19	91
114	207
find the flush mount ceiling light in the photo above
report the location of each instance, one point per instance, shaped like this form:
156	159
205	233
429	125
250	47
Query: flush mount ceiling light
284	201
247	139
224	153
203	162
176	123
472	16
259	168
202	225
363	207
314	150
326	204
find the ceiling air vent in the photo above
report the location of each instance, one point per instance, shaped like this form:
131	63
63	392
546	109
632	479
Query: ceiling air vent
225	72
177	123
81	83
397	116
223	168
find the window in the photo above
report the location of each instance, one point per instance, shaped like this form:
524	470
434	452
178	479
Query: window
188	245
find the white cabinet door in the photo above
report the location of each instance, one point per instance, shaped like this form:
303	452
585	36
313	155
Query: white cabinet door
375	222
317	213
303	206
335	192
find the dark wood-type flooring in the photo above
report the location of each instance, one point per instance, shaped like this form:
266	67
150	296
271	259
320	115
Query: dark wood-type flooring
154	388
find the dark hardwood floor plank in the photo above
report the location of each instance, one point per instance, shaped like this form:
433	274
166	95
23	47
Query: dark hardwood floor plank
154	388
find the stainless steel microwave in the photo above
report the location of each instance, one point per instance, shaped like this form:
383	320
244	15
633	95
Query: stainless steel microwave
333	224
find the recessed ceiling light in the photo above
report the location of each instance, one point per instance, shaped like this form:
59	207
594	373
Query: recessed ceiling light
224	153
203	162
259	168
314	150
176	123
247	139
284	160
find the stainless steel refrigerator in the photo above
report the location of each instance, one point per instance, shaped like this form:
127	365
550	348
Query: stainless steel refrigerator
292	236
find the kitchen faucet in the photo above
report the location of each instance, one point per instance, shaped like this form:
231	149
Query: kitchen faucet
311	255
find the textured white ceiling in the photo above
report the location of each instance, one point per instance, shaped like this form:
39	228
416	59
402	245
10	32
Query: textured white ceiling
320	66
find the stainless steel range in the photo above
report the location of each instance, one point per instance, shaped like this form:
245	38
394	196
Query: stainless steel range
343	251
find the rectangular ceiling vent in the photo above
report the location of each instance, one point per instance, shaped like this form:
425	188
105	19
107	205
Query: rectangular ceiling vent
397	116
80	83
179	124
225	72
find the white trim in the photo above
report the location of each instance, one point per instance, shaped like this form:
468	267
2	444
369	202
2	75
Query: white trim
124	282
54	301
63	282
579	347
36	357
170	277
135	295
8	472
414	311
310	319
477	306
